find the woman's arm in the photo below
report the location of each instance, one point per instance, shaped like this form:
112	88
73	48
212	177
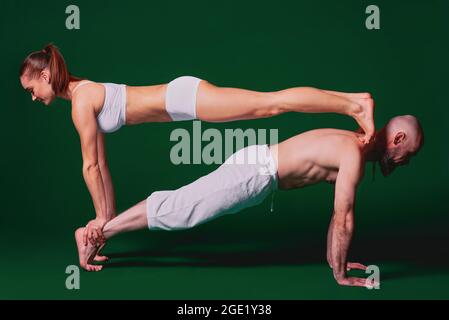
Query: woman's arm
83	116
106	177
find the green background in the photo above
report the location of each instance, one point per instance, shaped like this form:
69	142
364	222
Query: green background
401	221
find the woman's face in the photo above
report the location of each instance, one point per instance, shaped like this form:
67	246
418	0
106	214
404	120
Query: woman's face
39	87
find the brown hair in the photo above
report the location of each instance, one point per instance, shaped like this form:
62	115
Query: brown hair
52	58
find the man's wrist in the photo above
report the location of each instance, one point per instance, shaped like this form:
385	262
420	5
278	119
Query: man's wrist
339	274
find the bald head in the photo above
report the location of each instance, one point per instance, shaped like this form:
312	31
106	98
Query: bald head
411	129
402	138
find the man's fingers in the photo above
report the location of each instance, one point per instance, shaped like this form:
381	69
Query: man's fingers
101	238
91	236
367	283
94	237
354	265
372	284
360	266
356	282
98	237
361	282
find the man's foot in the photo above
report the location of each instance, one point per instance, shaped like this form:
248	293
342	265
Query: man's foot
86	253
364	115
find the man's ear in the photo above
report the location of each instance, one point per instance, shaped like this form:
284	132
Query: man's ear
400	136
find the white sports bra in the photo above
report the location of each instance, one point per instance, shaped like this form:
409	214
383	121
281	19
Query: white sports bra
113	113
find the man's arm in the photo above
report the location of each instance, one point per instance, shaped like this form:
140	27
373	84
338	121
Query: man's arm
349	265
342	224
329	241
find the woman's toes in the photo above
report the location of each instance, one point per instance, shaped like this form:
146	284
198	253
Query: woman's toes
368	139
367	95
362	139
94	268
97	268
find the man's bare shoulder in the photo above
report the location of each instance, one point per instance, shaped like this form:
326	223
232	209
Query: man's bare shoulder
329	142
345	144
351	145
346	140
336	132
352	158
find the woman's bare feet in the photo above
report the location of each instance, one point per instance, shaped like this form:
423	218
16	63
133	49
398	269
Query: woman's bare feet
365	117
362	111
86	253
358	95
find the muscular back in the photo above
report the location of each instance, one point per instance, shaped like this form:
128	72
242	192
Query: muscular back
316	156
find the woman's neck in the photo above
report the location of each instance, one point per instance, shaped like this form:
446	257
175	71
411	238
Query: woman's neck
67	95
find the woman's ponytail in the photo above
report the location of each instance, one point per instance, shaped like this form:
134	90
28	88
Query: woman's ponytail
50	57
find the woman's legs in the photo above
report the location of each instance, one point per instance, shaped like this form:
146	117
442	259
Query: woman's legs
134	218
220	104
349	95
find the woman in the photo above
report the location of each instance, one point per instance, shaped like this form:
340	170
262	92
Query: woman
98	108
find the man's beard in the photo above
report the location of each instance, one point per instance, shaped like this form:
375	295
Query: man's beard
386	163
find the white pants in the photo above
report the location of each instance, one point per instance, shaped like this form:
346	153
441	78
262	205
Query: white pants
180	98
244	180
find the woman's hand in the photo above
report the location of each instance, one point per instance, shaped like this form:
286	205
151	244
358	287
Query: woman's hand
94	232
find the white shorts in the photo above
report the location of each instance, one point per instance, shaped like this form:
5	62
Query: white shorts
244	180
180	98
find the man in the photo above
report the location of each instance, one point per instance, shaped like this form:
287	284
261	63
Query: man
251	174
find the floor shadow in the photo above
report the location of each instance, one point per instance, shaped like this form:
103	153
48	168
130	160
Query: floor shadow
215	258
409	255
412	255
